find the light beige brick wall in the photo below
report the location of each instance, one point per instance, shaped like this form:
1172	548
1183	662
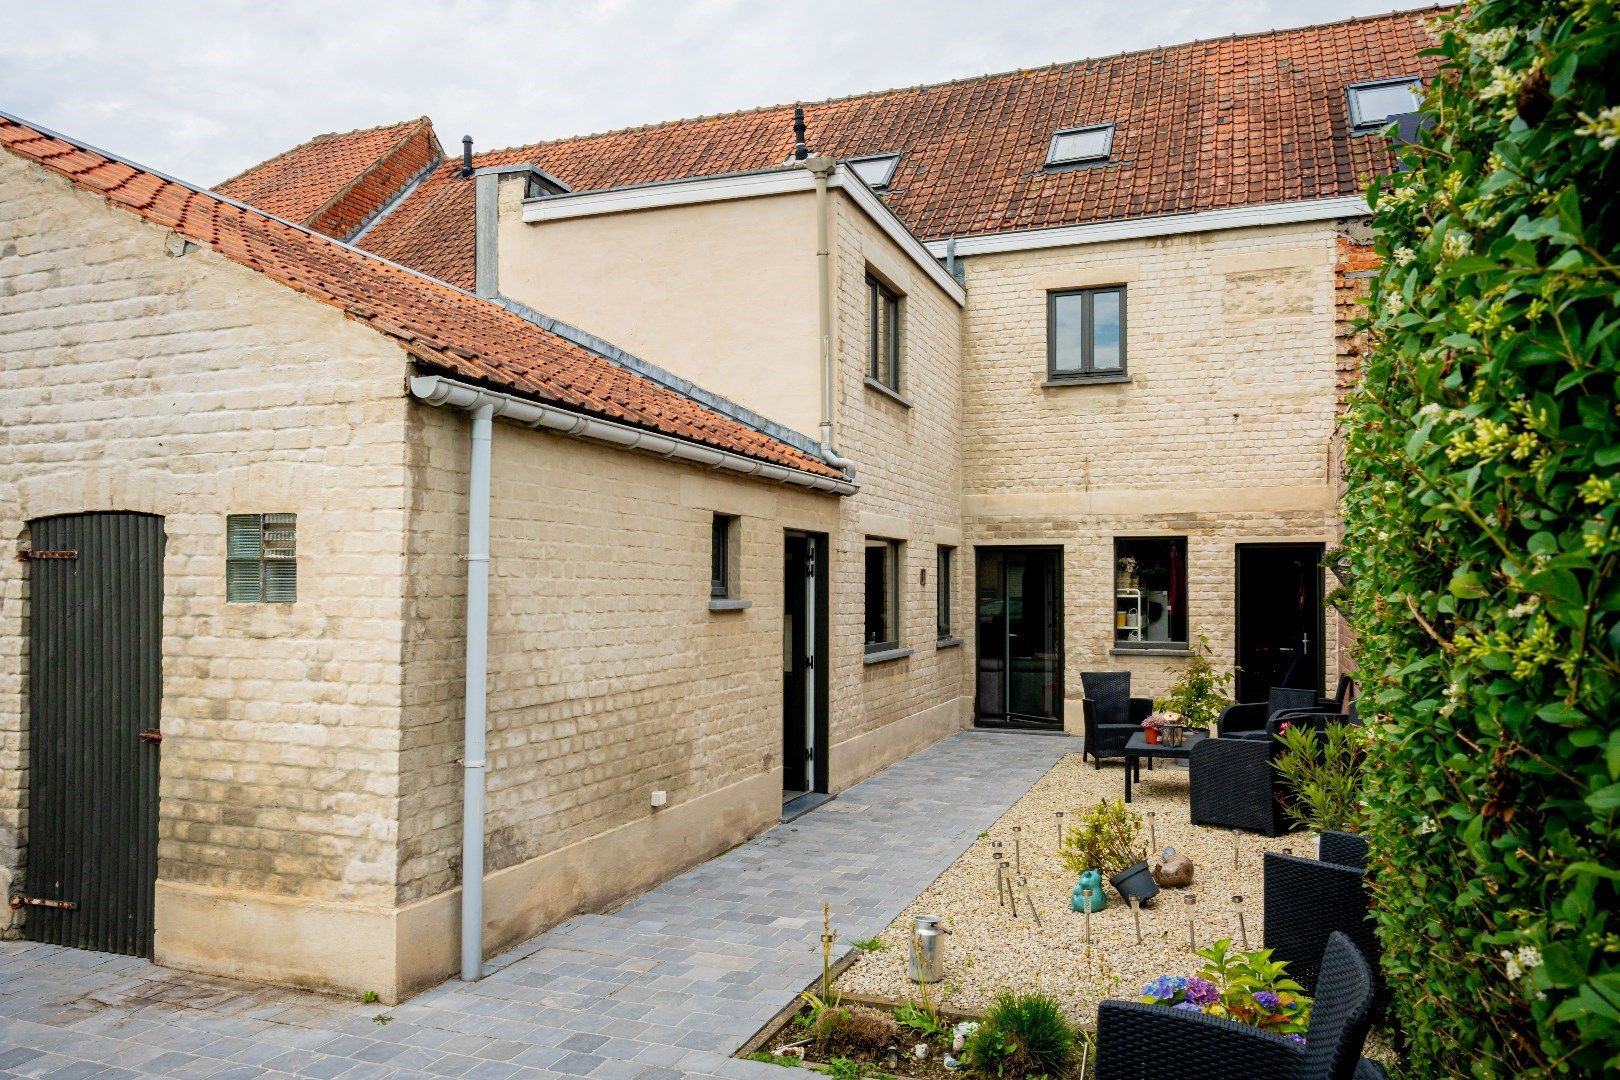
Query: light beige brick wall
1223	434
194	388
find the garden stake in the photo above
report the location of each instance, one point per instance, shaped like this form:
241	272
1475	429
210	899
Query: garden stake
1059	848
826	951
1153	832
1012	898
1234	850
1023	883
1085	895
995	857
1243	930
1136	914
1018	858
1192	933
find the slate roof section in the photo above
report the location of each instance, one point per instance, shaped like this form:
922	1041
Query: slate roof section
337	183
443	328
1209	125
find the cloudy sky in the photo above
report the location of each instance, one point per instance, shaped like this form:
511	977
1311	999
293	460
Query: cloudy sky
202	90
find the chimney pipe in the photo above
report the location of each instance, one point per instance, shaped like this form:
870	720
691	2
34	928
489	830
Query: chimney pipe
800	150
466	155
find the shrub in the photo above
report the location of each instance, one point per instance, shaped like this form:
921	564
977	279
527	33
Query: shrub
1480	520
1322	772
1202	690
1107	839
1022	1035
1249	987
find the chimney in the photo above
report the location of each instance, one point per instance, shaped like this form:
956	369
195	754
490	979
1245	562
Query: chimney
466	156
800	150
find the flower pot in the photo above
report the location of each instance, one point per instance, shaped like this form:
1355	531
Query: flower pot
1137	881
1152	734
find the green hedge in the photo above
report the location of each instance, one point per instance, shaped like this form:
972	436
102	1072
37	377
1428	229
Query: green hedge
1481	461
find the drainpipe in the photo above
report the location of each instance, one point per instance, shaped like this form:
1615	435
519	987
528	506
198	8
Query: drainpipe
821	168
473	713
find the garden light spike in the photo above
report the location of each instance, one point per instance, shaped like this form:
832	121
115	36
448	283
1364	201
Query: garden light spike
1136	914
1192	931
1018	858
1153	832
1059	830
1243	930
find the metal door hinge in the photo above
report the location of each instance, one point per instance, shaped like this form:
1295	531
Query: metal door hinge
19	901
151	735
30	556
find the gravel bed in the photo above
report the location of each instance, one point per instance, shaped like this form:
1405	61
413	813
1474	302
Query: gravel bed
989	950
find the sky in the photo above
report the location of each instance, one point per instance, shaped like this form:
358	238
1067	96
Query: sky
203	90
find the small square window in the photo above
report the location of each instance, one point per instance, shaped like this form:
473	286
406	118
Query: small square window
1150	591
876	171
1085	334
883	350
1073	146
723	558
261	559
944	581
882	594
1374	105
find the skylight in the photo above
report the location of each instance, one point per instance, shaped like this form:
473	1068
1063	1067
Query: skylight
875	170
1071	146
1374	104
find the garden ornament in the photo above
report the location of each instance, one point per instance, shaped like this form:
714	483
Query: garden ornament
1088	894
1173	871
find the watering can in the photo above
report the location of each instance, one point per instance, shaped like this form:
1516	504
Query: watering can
1091	879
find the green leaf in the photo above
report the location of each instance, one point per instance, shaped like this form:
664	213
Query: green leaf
1605	798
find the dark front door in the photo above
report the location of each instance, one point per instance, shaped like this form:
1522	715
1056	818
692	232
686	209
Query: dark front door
1020	637
804	675
1279	618
94	663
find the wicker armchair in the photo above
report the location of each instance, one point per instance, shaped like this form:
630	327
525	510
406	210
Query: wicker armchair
1248	721
1111	715
1306	900
1147	1042
1231	784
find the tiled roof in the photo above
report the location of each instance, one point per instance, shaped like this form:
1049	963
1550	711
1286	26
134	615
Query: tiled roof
336	183
443	328
1205	126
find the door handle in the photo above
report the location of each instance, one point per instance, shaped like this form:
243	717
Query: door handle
152	735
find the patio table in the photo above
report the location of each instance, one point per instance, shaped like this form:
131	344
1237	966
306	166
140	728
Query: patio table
1137	747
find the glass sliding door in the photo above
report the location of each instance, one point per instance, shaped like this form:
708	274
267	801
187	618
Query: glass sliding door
1020	638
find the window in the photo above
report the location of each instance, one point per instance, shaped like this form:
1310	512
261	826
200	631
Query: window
1373	105
876	171
1074	146
261	565
1085	334
882	595
883	305
722	578
1150	592
944	581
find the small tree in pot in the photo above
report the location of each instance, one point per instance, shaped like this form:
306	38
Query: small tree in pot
1201	692
1109	839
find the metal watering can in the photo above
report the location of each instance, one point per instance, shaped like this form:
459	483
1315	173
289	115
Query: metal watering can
927	961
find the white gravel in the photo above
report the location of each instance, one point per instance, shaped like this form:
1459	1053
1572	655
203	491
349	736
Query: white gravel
989	950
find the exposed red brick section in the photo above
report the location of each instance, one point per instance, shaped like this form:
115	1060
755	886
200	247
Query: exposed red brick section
1204	126
444	329
1354	266
338	182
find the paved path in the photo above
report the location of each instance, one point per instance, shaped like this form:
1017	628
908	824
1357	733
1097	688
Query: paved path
664	988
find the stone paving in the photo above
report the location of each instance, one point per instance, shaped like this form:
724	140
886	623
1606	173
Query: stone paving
665	988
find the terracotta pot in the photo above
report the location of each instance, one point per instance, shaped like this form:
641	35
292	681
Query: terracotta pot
1152	734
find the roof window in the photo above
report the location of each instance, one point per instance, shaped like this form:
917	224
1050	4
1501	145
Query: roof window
875	170
1374	105
1074	146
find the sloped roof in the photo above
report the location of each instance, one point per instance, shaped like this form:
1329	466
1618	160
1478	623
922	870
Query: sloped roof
444	329
1209	125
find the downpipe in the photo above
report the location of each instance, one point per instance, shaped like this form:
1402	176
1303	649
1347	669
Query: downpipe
821	168
474	713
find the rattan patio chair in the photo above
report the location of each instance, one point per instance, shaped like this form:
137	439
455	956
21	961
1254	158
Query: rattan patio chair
1248	721
1231	784
1308	899
1148	1042
1111	715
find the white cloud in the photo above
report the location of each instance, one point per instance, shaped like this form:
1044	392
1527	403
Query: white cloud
204	89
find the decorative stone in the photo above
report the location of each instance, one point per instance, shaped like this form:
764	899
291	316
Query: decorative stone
1174	871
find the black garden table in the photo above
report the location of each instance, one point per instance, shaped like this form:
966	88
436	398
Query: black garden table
1137	747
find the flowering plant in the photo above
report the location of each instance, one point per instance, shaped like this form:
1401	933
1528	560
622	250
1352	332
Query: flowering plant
1164	720
1248	987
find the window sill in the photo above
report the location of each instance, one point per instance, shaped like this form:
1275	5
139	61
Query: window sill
885	655
887	391
1133	648
1086	380
947	643
730	605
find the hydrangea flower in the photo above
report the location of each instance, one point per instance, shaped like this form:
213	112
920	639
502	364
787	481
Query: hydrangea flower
1267	1000
1297	1040
1202	991
1187	1006
1165	988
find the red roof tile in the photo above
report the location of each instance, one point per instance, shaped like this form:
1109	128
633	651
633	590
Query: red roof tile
445	329
1204	126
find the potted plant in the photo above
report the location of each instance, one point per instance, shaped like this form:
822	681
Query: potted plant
1164	727
1201	692
1320	770
1125	573
1108	840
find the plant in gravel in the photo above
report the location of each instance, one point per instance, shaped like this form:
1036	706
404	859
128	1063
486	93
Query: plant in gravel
1108	839
871	944
1022	1035
1201	692
1482	521
1322	771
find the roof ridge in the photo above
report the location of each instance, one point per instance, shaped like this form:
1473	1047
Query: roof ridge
966	79
399	144
311	141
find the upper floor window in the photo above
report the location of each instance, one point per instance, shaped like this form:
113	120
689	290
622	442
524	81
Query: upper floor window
883	350
1075	146
1373	105
875	170
1085	334
261	558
